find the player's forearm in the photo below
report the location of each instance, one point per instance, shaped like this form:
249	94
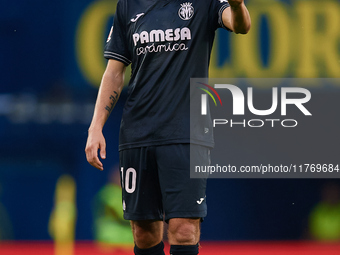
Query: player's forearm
240	18
109	92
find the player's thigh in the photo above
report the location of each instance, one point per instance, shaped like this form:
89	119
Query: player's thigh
142	199
183	197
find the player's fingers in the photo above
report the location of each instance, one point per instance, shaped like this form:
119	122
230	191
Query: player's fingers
97	164
103	150
92	157
94	161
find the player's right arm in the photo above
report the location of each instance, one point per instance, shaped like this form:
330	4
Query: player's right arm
237	17
109	91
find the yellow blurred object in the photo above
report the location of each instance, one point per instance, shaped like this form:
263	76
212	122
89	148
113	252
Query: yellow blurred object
324	219
303	42
63	217
325	222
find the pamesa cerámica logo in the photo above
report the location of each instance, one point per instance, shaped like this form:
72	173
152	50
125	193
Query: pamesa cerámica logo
238	105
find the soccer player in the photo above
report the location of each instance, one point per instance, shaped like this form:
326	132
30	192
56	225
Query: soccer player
167	42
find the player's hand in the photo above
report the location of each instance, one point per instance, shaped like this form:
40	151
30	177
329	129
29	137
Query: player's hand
235	3
95	142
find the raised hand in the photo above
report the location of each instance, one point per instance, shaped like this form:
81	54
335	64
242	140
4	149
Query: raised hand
235	3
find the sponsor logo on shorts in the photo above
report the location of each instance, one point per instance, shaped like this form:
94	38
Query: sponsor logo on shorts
200	201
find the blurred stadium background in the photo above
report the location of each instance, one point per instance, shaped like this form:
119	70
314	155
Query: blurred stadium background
51	65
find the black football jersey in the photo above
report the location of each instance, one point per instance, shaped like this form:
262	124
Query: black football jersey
167	42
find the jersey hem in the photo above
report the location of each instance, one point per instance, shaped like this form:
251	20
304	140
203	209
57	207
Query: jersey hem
165	142
135	216
185	214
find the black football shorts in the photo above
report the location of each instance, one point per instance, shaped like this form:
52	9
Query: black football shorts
156	181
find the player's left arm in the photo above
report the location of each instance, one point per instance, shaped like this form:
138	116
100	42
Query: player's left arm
237	17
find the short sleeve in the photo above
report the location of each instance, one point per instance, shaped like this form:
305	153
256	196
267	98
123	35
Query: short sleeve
116	45
216	9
